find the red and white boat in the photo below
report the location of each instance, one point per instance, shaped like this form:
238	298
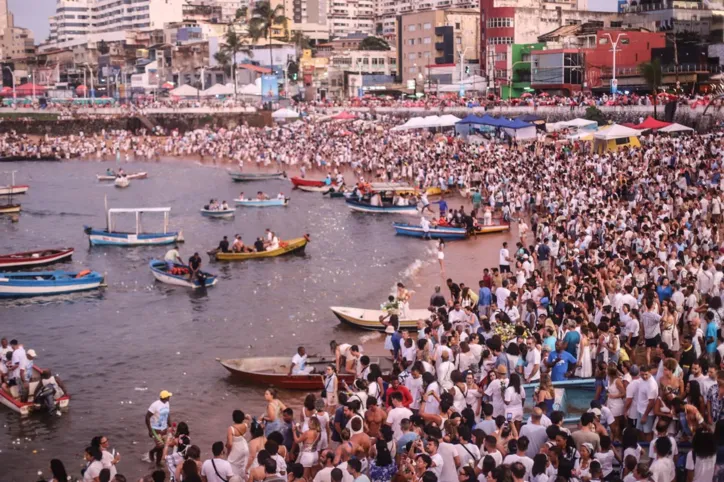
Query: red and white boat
30	259
298	181
24	408
9	190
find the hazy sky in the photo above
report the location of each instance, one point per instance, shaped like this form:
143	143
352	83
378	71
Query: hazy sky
33	14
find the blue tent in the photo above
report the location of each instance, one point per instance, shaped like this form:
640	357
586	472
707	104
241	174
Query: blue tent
492	121
531	118
471	119
515	124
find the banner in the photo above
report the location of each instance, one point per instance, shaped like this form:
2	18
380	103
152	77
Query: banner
269	88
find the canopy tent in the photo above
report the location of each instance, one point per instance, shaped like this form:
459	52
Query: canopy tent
492	121
614	137
514	124
413	123
532	118
519	130
342	116
448	120
250	89
185	91
676	128
576	124
285	114
430	121
471	119
168	85
217	90
651	123
29	89
616	131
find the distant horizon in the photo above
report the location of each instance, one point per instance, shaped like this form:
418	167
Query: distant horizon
35	18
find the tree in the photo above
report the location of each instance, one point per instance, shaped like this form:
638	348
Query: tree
233	44
224	60
595	114
651	72
300	40
374	43
263	20
103	47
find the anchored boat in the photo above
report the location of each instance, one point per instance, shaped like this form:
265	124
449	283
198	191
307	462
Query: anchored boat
261	203
43	283
446	233
111	237
122	182
178	275
218	213
261	176
296	245
29	259
12	188
370	319
12	399
366	207
134	176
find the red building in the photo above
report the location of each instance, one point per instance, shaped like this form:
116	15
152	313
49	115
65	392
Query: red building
497	30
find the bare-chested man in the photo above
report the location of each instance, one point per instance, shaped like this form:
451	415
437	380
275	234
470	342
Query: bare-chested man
375	417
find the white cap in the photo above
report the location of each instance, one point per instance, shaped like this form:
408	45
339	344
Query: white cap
31	353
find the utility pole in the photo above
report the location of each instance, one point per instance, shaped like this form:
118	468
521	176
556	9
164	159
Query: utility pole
462	66
614	44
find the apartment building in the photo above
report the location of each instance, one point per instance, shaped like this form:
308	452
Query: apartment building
307	16
351	16
15	42
389	10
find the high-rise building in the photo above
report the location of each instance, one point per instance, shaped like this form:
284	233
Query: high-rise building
15	42
307	16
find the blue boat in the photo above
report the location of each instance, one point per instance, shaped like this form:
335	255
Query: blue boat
45	283
160	271
446	233
261	203
366	207
111	237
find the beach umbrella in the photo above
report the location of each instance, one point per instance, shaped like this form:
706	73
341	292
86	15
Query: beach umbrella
168	85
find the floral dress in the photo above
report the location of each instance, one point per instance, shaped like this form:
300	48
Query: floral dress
382	473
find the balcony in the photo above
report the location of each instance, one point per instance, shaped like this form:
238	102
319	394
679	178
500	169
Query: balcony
439	45
666	5
425	6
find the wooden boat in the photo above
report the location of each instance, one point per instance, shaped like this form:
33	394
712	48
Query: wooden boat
44	283
290	246
30	259
268	371
366	207
370	319
111	237
299	181
492	228
134	176
260	176
122	182
161	273
218	213
338	194
324	188
265	203
12	401
447	233
435	191
8	190
9	208
393	187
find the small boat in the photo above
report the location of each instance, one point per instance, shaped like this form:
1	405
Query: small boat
29	259
122	182
298	181
447	233
134	176
338	194
8	190
43	283
492	228
274	371
218	213
392	187
12	401
435	191
296	245
260	176
324	188
261	203
111	237
180	276
9	208
370	319
366	207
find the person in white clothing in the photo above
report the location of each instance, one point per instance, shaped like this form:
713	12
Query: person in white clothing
701	459
397	414
217	468
663	468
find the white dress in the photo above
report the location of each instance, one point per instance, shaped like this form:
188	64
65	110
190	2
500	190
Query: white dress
615	404
323	418
239	454
515	402
584	356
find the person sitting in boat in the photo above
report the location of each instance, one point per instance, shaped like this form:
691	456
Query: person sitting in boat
328	180
259	245
223	246
260	196
48	391
242	198
194	266
340	179
299	363
213	205
442	221
281	196
346	356
224	206
110	172
376	199
173	257
402	201
274	243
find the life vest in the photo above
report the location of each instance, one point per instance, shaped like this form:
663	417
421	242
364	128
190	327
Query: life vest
83	273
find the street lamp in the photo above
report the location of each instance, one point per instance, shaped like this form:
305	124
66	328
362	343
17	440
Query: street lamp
12	74
614	44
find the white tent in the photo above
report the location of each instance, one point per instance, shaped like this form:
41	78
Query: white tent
676	128
285	114
218	89
250	89
430	121
448	120
616	131
576	123
185	91
413	123
522	134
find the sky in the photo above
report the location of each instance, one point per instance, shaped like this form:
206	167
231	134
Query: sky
33	14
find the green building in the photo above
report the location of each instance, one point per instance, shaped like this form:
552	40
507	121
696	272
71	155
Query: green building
519	79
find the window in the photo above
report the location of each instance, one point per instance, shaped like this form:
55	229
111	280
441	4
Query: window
603	41
573	21
525	57
616	24
457	25
500	22
426	40
625	40
501	74
412	28
500	41
412	56
413	70
426	55
501	57
459	40
427	26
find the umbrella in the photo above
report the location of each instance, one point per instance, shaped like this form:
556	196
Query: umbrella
544	94
344	116
81	89
167	85
6	91
526	95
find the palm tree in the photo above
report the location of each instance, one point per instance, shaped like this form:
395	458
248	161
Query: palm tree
224	60
263	20
300	40
233	44
651	72
374	43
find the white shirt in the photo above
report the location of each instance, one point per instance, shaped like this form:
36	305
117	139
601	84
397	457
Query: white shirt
526	461
18	360
396	416
532	359
93	471
159	411
466	457
631	392
648	390
438	464
415	387
299	363
663	470
504	253
448	453
501	295
703	467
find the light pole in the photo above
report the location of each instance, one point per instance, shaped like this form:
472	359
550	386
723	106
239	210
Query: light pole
93	93
462	61
12	74
614	44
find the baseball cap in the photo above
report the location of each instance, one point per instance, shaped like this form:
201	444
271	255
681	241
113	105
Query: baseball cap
32	353
595	411
165	394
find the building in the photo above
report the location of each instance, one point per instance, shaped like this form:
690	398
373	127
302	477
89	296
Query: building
351	16
228	8
519	80
355	72
504	23
389	10
431	43
307	16
15	42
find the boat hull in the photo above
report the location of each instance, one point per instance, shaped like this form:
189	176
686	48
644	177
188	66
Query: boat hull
228	213
137	175
315	188
243	177
495	228
262	204
273	371
8	190
367	208
293	245
122	182
298	181
24	409
104	238
159	272
10	208
19	285
370	319
28	258
445	233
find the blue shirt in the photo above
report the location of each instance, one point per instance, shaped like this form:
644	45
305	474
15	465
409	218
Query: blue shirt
342	420
402	442
485	296
711	333
443	205
559	370
396	338
664	292
572	338
551	343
